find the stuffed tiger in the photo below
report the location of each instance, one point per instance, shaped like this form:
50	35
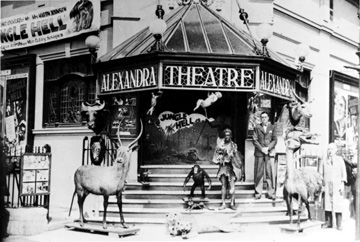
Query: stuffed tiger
190	226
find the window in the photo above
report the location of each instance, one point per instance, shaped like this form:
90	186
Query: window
331	7
64	95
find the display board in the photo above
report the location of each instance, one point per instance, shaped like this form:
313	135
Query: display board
124	113
35	174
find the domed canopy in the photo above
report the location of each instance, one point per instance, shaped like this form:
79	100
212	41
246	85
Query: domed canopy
192	28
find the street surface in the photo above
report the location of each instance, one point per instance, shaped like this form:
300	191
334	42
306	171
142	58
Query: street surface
158	233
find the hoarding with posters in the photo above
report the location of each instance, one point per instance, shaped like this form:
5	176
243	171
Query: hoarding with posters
344	112
62	21
15	110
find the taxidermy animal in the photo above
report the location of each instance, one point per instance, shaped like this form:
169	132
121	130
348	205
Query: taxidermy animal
153	102
191	226
144	176
196	205
97	117
105	181
198	175
301	183
213	97
97	149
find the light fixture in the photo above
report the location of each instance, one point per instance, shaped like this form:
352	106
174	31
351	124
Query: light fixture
301	51
157	28
92	43
264	32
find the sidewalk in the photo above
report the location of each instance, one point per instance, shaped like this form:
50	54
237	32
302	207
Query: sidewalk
158	233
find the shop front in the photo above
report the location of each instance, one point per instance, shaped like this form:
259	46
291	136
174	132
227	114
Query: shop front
189	93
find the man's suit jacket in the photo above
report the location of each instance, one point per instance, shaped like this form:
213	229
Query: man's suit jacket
262	138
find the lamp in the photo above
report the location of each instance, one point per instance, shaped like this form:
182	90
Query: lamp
301	51
92	43
157	28
264	32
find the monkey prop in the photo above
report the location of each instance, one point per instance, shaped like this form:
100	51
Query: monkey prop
144	176
198	175
153	102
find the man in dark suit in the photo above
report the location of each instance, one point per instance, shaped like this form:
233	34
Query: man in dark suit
264	140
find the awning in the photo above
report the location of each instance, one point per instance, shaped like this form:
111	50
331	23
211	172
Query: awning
204	52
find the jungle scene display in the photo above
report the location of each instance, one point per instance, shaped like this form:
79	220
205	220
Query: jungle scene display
176	134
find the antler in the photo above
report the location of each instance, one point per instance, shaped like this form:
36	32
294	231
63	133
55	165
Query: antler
118	133
95	106
137	138
296	96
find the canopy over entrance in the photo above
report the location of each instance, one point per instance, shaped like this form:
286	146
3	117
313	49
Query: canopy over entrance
204	51
192	28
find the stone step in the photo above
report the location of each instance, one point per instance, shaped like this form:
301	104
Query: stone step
179	203
178	169
178	194
174	178
242	211
216	185
279	219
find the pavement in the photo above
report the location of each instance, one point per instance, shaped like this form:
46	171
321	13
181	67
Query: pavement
259	232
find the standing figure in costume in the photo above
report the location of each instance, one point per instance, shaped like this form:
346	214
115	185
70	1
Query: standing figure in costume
350	159
225	156
264	140
198	174
334	177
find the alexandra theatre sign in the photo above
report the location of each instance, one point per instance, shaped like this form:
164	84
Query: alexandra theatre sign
127	80
274	84
209	77
195	77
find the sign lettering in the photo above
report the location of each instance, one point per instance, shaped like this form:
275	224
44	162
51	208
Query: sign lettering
49	24
276	84
172	122
210	77
128	79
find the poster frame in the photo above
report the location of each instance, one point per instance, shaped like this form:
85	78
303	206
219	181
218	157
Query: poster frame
35	169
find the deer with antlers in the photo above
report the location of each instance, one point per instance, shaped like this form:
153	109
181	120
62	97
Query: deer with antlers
105	181
304	182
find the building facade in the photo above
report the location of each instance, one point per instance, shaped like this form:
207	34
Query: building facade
50	76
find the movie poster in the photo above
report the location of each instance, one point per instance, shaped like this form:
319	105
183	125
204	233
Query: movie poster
65	20
345	131
15	111
35	174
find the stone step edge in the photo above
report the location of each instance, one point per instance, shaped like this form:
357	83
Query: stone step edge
241	220
240	209
180	184
112	199
183	193
161	166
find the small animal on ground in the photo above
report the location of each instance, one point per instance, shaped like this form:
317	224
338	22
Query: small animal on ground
196	205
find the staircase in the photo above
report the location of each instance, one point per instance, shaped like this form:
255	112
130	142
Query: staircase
148	204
